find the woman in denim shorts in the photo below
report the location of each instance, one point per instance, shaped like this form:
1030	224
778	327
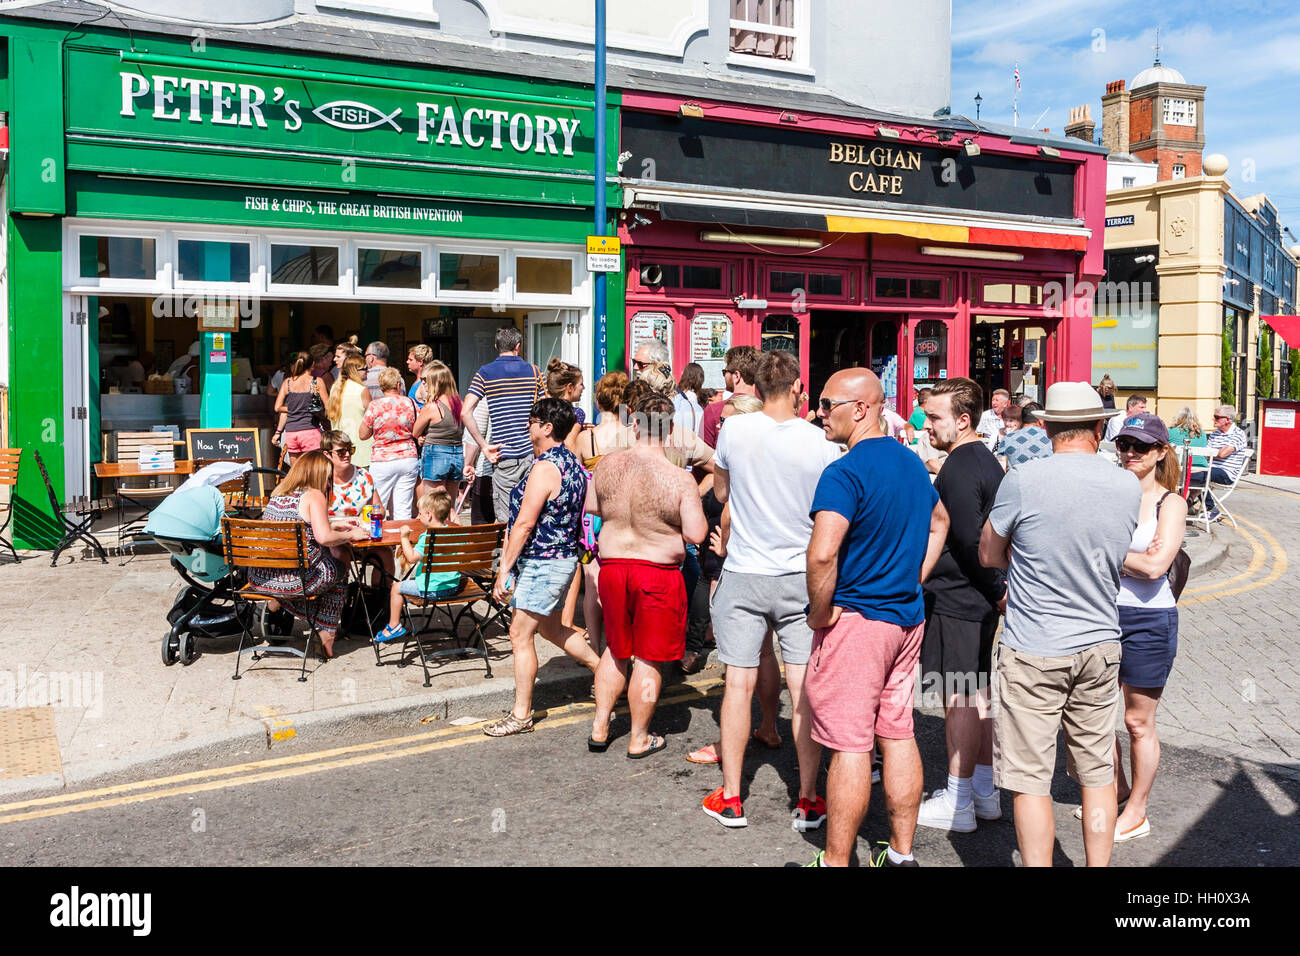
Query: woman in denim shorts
442	461
541	555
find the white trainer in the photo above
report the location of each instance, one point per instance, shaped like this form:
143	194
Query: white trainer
988	808
939	813
1141	830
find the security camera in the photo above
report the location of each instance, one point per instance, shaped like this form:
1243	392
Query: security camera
623	157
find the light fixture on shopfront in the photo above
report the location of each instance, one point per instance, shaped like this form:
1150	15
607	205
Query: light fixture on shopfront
691	109
957	253
743	303
752	238
1143	260
888	132
1051	151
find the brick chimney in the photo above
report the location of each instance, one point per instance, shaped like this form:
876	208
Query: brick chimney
1114	117
1081	125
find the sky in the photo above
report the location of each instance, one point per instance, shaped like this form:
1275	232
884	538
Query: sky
1246	54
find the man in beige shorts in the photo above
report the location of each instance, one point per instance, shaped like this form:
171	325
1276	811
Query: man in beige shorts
1062	527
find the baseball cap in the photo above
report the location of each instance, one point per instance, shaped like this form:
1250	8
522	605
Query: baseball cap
1145	427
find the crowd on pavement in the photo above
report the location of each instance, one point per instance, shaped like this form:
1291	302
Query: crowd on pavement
867	547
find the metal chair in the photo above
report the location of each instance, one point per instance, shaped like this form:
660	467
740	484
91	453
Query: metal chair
238	493
10	459
1221	493
73	531
269	544
470	551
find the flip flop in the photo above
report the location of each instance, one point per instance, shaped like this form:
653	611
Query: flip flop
597	746
652	749
706	754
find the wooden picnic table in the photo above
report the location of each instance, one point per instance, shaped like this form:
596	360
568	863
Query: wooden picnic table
131	469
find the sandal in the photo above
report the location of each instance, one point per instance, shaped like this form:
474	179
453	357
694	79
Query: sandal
706	754
657	744
508	725
389	633
597	746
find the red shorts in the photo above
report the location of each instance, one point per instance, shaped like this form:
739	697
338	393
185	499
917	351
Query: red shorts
301	442
644	605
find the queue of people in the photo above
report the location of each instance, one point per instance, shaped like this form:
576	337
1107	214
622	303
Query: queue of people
863	561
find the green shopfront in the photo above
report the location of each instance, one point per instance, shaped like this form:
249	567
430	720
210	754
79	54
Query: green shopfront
154	189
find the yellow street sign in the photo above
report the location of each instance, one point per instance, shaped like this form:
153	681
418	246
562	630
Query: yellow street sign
604	244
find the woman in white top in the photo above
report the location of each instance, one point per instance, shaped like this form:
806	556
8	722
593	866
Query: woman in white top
1148	611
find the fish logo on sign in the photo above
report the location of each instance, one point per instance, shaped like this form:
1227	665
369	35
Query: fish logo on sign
349	114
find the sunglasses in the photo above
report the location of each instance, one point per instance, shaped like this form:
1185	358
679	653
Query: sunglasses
640	365
1222	418
1132	444
827	405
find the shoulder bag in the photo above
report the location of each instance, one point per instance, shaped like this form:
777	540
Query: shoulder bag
1178	571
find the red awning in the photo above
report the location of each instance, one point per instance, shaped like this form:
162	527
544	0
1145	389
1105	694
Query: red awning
1287	326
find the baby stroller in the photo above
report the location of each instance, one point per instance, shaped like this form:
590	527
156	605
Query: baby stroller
188	524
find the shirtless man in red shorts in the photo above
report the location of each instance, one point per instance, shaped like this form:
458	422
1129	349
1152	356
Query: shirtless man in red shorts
647	507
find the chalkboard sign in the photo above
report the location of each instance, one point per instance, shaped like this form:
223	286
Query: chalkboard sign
225	444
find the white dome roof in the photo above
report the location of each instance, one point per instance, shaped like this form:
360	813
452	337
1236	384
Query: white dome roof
1157	74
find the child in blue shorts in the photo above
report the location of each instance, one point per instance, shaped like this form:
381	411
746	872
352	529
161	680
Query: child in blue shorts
433	510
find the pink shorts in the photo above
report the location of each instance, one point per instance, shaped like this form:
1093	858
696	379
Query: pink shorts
860	680
300	442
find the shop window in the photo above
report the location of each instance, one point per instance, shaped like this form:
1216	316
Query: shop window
925	289
118	257
929	353
543	276
701	277
1012	293
212	261
304	265
389	268
781	334
891	287
468	272
825	284
656	275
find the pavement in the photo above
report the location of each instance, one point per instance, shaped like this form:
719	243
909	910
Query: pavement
84	695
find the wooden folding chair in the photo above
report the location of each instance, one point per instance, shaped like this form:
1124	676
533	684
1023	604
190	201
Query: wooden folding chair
269	544
73	530
10	458
138	491
470	551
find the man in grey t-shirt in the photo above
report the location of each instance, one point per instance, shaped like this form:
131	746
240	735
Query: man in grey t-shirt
1061	526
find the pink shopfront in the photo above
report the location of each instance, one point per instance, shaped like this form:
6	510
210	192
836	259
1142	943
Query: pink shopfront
922	252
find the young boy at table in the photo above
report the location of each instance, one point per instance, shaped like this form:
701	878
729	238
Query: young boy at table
433	510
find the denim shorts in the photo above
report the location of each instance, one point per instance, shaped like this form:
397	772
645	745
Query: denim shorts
442	462
541	583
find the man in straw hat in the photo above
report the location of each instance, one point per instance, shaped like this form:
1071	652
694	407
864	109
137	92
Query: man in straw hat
1061	526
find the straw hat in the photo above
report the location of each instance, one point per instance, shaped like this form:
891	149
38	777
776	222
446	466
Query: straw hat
1074	402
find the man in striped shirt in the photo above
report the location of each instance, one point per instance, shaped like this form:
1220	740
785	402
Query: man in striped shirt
1228	444
511	386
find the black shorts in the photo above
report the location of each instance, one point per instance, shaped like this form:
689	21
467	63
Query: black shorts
957	655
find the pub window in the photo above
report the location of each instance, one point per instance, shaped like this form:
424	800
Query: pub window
925	288
198	261
539	276
1012	293
891	287
468	272
785	282
781	334
118	257
701	277
304	265
765	28
658	275
825	283
389	268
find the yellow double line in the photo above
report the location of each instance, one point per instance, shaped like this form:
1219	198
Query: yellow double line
1260	552
298	765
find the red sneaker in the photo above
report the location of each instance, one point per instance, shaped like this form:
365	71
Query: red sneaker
728	812
808	814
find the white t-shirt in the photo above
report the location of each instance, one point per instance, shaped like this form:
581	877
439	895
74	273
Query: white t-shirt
773	468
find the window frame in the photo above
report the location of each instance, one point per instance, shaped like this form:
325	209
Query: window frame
1168	111
174	240
344	283
634	285
807	266
800	33
162	261
427	276
946	299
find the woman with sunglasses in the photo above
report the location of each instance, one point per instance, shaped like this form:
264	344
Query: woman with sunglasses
1148	612
352	488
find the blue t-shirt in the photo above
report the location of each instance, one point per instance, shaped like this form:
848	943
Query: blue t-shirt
884	491
415	386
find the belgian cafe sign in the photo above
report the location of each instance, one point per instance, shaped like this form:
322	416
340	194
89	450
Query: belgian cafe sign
875	165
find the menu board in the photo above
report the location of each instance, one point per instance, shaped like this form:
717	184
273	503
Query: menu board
224	444
710	340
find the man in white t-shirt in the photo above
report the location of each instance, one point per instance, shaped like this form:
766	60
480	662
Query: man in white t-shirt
991	424
766	468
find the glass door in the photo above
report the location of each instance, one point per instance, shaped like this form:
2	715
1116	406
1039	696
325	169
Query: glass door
885	335
929	357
